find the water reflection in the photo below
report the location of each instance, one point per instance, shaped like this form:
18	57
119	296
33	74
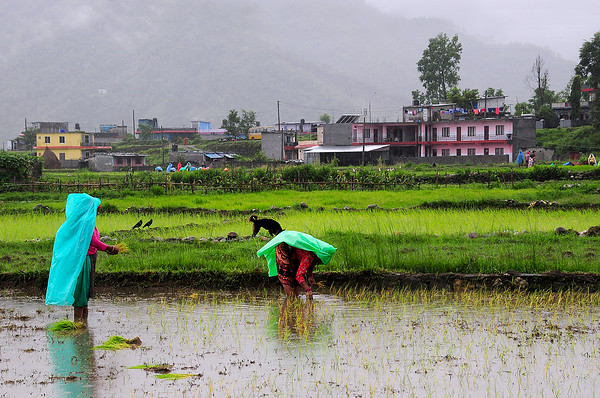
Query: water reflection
294	318
73	364
435	345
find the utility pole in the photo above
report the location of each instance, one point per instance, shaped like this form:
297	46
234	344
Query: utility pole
279	130
162	145
133	128
363	134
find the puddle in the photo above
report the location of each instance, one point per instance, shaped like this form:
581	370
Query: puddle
257	347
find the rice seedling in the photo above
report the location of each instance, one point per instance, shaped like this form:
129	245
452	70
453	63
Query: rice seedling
122	247
159	368
66	325
118	343
176	376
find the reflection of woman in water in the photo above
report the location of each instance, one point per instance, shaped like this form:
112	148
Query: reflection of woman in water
72	360
292	256
296	318
72	270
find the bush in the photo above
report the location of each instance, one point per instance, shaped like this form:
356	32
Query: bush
157	190
19	167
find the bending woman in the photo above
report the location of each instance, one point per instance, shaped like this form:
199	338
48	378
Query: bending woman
73	265
292	256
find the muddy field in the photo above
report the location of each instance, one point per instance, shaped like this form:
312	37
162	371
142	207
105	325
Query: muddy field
35	283
257	344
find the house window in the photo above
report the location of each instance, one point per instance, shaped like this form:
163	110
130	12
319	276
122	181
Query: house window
138	161
499	151
46	140
61	139
87	154
486	151
117	161
445	131
458	152
445	152
354	135
367	133
500	129
434	152
471	151
61	156
471	131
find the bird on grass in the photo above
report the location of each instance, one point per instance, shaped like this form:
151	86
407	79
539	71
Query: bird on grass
147	224
137	225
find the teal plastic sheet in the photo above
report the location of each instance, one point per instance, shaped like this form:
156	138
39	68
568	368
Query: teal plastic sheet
70	248
323	250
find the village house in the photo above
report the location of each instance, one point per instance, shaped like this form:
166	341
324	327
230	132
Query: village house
116	161
68	147
563	110
440	133
177	134
110	134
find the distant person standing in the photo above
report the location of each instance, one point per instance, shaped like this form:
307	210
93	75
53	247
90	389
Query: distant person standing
526	158
519	160
531	161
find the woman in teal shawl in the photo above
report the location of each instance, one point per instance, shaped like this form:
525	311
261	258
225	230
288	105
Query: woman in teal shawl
73	256
292	256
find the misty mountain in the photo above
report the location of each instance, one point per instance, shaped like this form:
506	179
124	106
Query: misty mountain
97	62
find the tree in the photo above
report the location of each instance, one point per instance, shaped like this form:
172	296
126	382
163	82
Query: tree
325	118
418	95
232	123
247	121
236	125
463	99
439	66
538	81
547	114
589	70
145	132
522	108
30	135
493	92
575	100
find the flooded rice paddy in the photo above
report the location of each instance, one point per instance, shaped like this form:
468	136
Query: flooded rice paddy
440	344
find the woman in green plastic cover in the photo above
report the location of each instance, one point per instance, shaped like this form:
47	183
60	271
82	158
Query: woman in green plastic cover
74	255
292	256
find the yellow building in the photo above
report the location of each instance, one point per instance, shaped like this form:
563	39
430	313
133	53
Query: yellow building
67	145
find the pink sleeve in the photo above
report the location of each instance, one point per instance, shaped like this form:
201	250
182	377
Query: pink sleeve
306	262
96	241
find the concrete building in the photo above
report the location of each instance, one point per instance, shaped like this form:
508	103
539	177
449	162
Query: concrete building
116	161
70	147
562	110
442	131
110	134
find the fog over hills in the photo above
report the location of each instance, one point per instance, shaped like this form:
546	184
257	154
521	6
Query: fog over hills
97	61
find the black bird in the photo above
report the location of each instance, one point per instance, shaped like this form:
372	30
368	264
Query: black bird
139	224
147	224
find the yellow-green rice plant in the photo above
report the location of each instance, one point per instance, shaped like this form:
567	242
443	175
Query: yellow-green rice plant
66	325
118	343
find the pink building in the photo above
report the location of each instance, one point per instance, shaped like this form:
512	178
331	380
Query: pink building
445	130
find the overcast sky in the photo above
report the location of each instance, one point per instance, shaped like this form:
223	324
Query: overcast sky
561	26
